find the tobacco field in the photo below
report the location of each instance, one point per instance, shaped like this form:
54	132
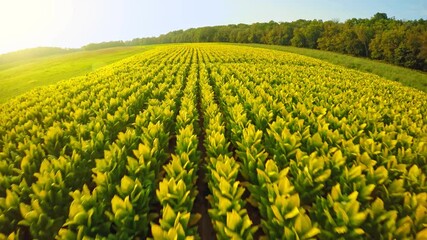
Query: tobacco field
217	141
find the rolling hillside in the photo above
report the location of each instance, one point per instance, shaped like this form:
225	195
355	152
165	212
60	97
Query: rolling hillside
22	73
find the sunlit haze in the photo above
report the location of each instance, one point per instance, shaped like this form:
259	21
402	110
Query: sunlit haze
73	23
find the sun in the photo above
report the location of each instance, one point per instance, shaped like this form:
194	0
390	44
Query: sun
29	23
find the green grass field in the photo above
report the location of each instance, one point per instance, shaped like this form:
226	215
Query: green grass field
20	76
406	76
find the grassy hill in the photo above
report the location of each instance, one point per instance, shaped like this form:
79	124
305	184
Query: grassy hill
19	57
24	73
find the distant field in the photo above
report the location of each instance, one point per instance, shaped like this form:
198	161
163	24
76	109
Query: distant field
11	59
20	76
406	76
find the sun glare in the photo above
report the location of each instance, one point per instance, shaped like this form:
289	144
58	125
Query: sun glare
29	23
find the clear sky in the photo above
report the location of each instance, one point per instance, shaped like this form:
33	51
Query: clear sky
73	23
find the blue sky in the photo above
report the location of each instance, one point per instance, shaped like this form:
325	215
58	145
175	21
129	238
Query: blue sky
73	23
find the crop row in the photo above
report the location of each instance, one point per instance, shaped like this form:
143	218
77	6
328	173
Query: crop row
54	152
332	164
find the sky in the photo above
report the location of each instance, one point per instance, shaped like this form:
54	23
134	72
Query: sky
74	23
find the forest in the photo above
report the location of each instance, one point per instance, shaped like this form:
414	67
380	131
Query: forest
400	42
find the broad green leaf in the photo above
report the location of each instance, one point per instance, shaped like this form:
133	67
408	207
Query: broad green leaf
421	235
277	213
117	203
311	233
293	213
341	230
358	219
233	220
157	232
325	175
302	224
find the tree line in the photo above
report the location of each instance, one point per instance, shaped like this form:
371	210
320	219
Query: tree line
400	42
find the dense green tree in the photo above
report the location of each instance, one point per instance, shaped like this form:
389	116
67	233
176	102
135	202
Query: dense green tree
330	40
364	34
299	39
423	50
379	17
313	32
380	37
95	46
